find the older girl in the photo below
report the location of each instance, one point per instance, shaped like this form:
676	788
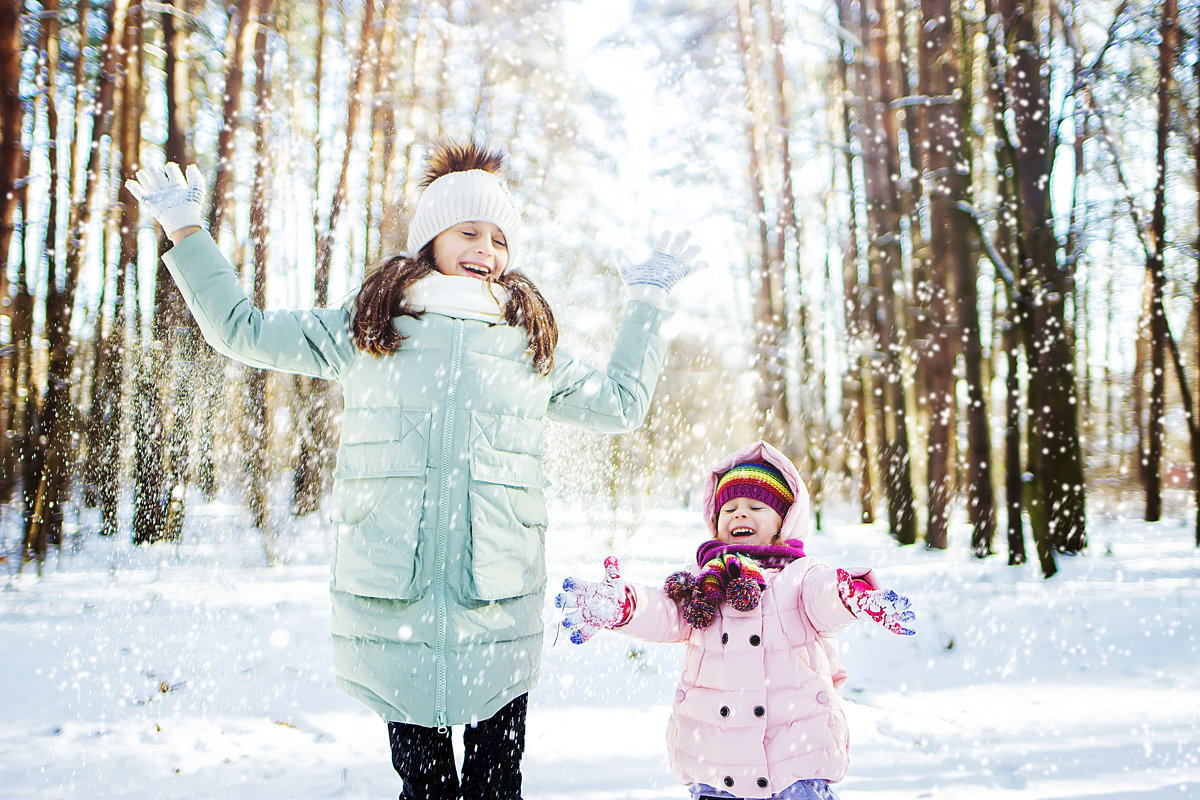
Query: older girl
450	368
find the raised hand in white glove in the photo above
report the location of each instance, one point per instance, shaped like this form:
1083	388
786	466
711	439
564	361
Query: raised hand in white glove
165	195
671	261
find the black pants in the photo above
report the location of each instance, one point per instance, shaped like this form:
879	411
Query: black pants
424	758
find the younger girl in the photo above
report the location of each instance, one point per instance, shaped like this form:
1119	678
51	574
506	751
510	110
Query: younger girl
450	369
756	713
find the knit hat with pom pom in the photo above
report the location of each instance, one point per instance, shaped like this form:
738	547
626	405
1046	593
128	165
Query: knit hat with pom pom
758	480
461	185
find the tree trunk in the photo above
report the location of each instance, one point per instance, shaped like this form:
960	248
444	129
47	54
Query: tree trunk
175	334
310	473
12	118
1012	247
57	418
256	379
26	445
11	160
942	133
769	325
1168	45
810	427
1013	484
1196	311
108	416
236	42
13	163
1074	249
880	168
857	375
308	466
1052	396
980	492
237	34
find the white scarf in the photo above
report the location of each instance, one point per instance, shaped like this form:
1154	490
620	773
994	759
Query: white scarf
459	296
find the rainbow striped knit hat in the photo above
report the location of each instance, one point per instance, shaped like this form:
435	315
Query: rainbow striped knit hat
757	480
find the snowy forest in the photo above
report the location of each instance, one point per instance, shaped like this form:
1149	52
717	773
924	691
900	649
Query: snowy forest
951	244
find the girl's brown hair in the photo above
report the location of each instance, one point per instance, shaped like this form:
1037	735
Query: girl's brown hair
382	297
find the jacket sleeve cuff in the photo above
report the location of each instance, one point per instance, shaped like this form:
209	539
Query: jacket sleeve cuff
630	607
648	293
654	617
822	601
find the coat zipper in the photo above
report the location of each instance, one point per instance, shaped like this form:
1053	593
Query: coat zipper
439	578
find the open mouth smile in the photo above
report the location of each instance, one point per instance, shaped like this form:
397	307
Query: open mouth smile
742	532
476	269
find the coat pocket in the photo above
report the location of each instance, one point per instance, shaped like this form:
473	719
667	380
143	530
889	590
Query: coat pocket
378	502
508	508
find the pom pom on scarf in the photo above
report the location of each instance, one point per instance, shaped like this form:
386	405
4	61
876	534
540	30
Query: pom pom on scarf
680	585
728	577
698	612
743	594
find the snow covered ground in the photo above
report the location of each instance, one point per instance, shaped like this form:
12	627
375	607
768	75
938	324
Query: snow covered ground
193	671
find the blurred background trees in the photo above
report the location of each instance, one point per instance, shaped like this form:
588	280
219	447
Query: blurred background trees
953	244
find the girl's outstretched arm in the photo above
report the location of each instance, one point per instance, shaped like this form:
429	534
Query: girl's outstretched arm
616	400
612	604
315	342
833	599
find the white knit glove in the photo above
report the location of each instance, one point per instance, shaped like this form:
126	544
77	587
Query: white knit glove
165	195
670	262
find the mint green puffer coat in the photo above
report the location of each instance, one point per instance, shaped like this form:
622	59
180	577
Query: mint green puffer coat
439	521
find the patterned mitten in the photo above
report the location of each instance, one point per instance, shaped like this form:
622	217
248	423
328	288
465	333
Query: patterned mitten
670	262
883	607
589	607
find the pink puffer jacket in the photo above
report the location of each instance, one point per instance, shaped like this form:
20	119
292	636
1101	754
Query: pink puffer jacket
756	708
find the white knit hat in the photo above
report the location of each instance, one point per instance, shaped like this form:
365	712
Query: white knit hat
473	195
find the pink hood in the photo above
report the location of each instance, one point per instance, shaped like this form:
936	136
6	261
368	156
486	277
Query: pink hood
796	523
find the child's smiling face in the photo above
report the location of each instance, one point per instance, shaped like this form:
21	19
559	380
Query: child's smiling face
473	249
744	520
